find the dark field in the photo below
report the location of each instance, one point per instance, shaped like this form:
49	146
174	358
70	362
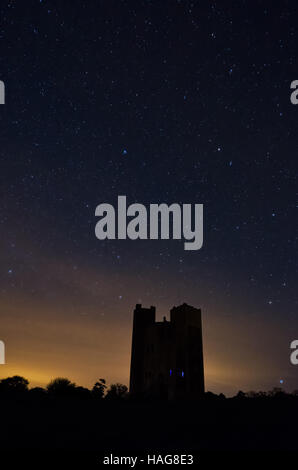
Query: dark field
124	426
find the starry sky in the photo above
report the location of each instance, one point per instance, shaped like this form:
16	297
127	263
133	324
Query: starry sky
161	101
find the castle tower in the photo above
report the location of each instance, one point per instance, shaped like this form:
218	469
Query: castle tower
188	352
142	319
167	356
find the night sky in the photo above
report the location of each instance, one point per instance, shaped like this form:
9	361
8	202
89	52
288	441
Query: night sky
161	101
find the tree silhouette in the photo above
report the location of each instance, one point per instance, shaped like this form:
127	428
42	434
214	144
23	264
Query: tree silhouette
81	392
61	386
253	394
37	391
98	389
15	384
277	392
240	395
117	392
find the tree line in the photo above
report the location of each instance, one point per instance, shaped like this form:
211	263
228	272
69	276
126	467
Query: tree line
63	387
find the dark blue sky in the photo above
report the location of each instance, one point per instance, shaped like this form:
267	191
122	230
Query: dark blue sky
172	101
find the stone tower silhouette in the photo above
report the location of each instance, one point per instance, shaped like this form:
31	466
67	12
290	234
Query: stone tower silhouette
167	357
